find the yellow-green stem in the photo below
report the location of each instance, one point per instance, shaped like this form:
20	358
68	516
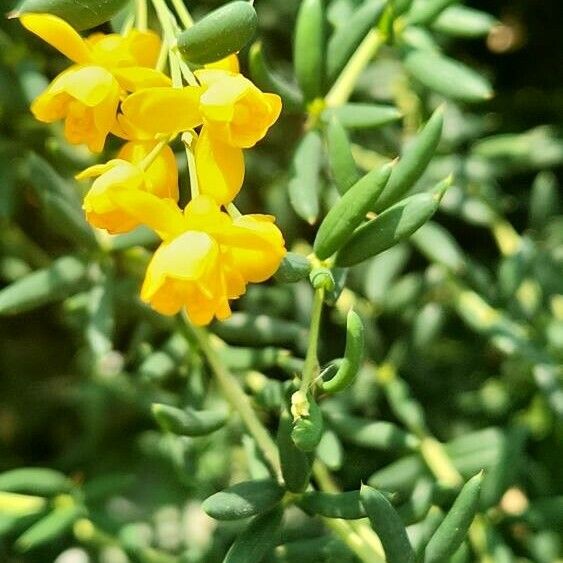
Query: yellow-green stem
141	15
167	22
311	360
189	138
150	158
346	82
183	13
237	398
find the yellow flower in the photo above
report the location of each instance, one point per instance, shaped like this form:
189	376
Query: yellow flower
234	110
207	259
87	94
120	181
151	112
229	63
220	168
161	177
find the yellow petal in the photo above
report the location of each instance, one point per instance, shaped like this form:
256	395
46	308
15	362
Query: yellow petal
259	261
90	85
176	273
229	63
160	214
144	47
137	77
161	177
220	168
163	110
59	34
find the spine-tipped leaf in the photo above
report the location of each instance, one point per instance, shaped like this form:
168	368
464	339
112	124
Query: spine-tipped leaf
340	159
413	162
345	40
388	526
391	227
339	224
453	529
309	48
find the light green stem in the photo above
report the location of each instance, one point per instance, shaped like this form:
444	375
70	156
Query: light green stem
150	158
346	82
358	535
183	13
311	366
237	398
189	138
141	15
167	22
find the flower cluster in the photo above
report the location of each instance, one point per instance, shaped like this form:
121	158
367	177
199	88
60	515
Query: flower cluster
208	255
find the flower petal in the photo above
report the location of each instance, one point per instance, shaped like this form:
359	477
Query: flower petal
134	78
59	34
220	168
163	110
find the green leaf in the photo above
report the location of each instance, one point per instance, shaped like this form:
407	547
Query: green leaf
60	203
333	505
392	226
388	526
413	162
448	77
308	430
329	450
347	37
257	330
309	48
64	277
40	481
439	246
380	435
260	536
244	500
17	505
49	528
293	268
295	463
265	79
342	165
424	11
304	185
353	356
338	226
81	15
363	116
453	529
222	32
188	422
462	21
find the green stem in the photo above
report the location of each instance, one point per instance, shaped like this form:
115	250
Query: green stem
183	13
141	14
357	535
150	158
311	366
167	22
237	398
189	138
346	82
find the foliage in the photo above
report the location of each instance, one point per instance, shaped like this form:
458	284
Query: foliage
393	393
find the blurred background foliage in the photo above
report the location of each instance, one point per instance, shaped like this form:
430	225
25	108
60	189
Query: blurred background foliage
75	402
